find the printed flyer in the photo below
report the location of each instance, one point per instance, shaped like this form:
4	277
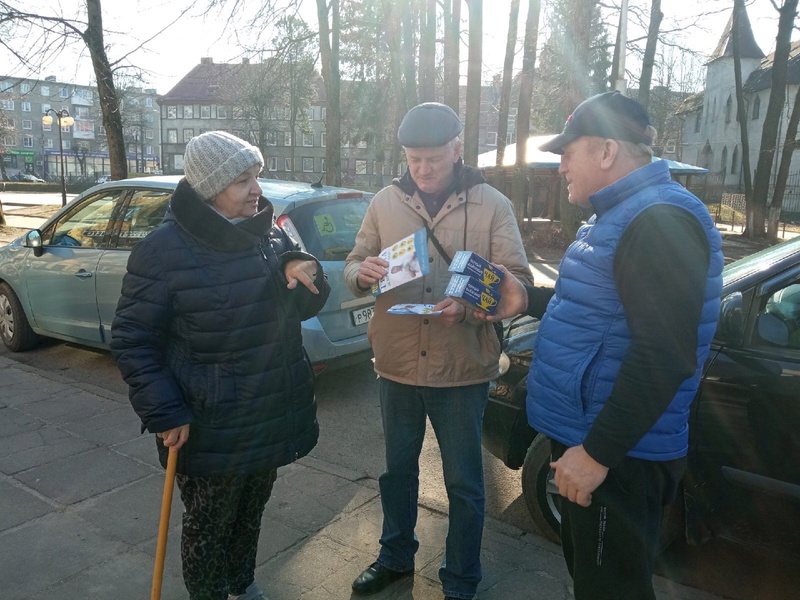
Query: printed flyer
408	260
413	309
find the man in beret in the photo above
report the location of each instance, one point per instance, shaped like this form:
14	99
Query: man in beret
621	346
434	367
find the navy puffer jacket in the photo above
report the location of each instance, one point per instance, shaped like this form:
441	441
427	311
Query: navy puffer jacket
207	333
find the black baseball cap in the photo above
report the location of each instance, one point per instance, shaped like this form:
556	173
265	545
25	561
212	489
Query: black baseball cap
429	125
610	116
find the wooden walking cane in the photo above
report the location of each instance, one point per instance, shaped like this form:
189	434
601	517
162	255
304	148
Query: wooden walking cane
163	527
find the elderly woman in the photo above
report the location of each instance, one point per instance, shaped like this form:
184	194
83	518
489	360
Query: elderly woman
207	336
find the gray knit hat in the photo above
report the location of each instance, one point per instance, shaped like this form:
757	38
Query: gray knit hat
214	159
429	125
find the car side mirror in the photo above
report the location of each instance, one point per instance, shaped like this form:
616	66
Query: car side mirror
731	318
33	239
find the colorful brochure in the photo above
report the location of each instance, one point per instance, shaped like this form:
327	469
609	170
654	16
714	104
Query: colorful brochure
408	260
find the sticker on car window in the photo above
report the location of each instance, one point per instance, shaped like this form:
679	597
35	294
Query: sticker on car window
325	224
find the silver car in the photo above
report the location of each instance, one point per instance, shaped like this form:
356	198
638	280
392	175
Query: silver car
64	279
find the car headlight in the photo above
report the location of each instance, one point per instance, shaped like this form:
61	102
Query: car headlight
505	363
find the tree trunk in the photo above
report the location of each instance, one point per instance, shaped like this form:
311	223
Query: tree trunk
650	53
578	40
508	77
520	183
410	67
783	169
769	135
741	107
427	52
474	73
109	105
329	52
452	42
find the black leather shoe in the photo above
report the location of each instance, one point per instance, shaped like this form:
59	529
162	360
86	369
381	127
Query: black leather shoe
376	577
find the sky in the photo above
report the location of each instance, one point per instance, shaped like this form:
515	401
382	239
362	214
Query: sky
173	53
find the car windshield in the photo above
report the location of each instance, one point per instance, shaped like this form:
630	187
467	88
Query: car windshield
760	260
328	228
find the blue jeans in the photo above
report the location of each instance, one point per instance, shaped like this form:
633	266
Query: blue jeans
456	415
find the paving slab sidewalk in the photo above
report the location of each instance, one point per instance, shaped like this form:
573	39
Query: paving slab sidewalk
81	493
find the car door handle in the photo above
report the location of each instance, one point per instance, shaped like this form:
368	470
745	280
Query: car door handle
83	274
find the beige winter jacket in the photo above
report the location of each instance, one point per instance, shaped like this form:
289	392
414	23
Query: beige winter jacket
419	350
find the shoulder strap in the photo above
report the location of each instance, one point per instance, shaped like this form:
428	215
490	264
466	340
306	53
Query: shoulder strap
437	244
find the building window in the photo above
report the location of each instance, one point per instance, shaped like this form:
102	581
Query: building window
697	120
27	141
222	112
362	144
670	147
148	102
24	88
491	138
735	160
27	124
172	136
323	137
324	112
188	112
287	138
48	143
45	90
723	163
81	112
287	164
25	106
148	134
64	129
756	107
361	166
102	130
728	109
205	112
6	86
272	164
308	165
272	138
63	93
67	144
7	104
187	135
84	126
172	112
8	140
47	127
322	165
308	139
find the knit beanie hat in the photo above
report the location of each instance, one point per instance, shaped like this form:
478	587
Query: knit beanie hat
214	159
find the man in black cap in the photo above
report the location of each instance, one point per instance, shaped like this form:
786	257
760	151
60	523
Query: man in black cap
433	367
621	346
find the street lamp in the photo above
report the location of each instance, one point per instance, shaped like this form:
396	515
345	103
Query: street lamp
64	120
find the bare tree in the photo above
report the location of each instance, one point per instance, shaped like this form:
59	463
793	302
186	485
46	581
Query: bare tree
427	51
756	213
452	41
790	141
508	76
474	71
329	53
520	188
650	53
741	106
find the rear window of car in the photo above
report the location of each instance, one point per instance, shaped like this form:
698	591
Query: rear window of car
329	228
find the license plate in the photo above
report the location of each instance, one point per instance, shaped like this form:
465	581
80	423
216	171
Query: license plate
361	316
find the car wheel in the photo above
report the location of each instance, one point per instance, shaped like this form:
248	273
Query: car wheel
540	491
14	327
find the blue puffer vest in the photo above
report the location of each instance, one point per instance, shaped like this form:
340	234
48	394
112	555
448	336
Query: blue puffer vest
584	336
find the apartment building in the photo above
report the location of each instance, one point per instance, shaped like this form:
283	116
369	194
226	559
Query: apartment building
27	145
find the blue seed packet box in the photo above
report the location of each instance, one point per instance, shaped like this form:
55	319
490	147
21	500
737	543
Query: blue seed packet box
469	263
472	293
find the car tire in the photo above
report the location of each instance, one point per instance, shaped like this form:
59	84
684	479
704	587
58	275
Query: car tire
14	327
539	490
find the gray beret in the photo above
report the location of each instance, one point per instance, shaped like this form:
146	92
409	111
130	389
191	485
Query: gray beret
429	125
212	161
